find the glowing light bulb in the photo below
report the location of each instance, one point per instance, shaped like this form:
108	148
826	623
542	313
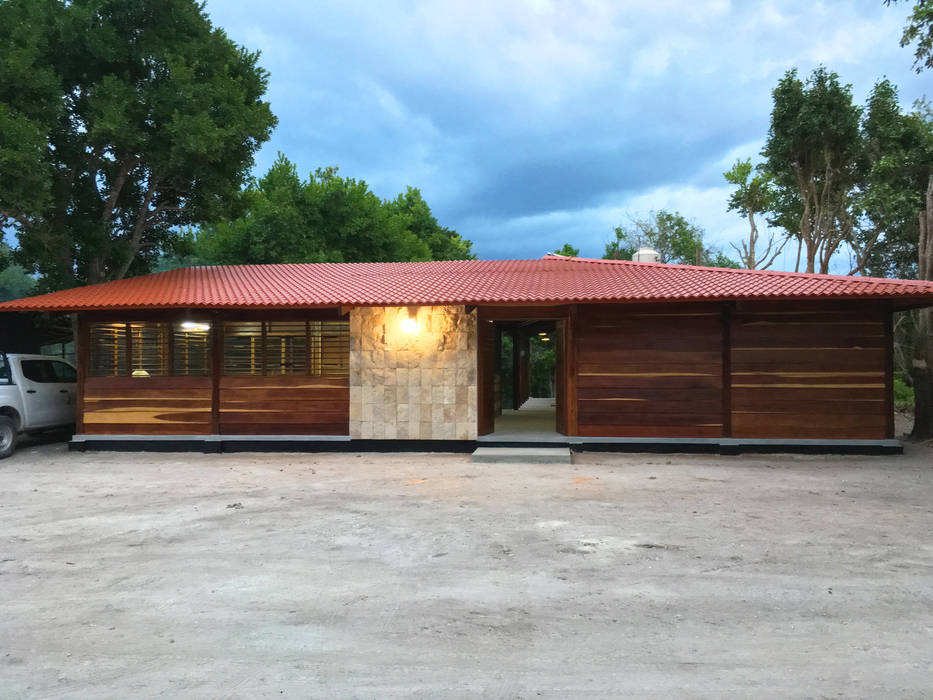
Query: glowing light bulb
409	325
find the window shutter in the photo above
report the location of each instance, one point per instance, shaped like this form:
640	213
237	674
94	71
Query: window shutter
243	348
107	351
150	349
191	349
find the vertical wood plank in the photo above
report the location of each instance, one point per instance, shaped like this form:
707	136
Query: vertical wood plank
889	372
571	406
727	369
82	351
516	371
217	361
129	349
485	367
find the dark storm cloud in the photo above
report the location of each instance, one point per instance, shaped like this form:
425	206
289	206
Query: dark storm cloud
526	124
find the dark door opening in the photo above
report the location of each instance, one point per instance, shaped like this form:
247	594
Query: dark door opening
526	385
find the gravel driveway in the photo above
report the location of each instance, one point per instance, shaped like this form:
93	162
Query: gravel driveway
135	575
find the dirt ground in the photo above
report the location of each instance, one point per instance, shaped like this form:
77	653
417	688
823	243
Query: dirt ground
264	575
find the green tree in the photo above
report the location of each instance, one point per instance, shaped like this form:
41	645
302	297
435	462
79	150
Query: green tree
568	251
752	196
815	158
120	121
919	31
443	243
899	148
675	239
15	282
327	218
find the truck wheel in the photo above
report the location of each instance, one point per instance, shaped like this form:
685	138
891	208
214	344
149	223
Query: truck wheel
7	437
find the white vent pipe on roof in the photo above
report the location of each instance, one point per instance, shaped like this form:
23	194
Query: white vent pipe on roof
645	254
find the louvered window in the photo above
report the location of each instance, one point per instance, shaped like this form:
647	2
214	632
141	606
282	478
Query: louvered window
287	347
108	350
149	349
191	343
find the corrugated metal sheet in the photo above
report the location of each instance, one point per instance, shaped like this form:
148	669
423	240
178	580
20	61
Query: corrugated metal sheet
549	280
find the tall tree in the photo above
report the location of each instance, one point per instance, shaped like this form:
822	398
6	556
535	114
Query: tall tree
328	218
675	239
120	120
444	243
919	30
753	196
814	155
568	251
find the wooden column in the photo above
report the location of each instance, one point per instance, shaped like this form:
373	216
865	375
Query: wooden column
727	369
889	429
82	355
217	361
516	370
571	407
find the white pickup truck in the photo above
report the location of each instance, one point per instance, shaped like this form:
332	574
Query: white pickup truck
37	393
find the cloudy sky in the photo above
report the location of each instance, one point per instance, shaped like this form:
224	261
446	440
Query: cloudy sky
527	124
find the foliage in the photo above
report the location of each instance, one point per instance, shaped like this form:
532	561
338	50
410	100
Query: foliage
753	195
15	282
814	156
327	218
899	148
919	30
903	394
675	239
119	122
541	363
568	251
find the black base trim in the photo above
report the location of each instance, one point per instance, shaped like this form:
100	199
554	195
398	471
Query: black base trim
217	444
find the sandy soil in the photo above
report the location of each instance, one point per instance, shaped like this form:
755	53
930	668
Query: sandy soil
136	575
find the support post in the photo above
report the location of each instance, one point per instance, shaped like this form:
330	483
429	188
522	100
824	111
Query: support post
726	370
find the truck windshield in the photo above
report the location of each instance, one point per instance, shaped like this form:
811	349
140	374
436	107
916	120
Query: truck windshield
5	377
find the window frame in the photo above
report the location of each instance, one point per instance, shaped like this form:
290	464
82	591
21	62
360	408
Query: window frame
315	331
128	351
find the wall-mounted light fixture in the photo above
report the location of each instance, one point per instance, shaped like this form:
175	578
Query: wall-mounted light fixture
195	326
545	339
410	322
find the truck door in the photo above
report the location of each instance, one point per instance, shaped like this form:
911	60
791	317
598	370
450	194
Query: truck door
47	400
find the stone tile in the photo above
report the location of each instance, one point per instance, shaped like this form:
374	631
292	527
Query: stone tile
366	430
466	430
426	432
402	413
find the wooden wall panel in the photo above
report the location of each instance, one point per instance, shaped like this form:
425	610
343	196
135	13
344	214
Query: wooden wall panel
809	371
284	405
648	370
151	406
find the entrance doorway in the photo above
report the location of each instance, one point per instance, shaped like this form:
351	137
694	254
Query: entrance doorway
521	368
527	383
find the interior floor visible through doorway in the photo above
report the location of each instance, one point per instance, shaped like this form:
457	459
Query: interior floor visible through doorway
534	421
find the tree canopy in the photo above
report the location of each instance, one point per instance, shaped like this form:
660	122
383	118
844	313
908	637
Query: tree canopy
675	239
568	251
753	195
120	121
326	218
814	156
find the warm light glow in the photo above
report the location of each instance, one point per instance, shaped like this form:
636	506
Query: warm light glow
410	325
195	326
140	374
542	333
545	340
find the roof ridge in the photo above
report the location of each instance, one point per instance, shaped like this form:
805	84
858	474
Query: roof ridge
742	270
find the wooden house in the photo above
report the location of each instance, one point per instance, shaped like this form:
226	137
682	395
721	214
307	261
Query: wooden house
409	356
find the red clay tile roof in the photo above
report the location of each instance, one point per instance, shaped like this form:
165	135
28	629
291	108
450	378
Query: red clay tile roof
549	280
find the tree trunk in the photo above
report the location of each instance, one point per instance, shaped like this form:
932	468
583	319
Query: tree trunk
922	370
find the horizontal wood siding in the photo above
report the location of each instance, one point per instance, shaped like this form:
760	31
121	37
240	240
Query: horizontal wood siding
150	406
649	371
284	405
803	371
